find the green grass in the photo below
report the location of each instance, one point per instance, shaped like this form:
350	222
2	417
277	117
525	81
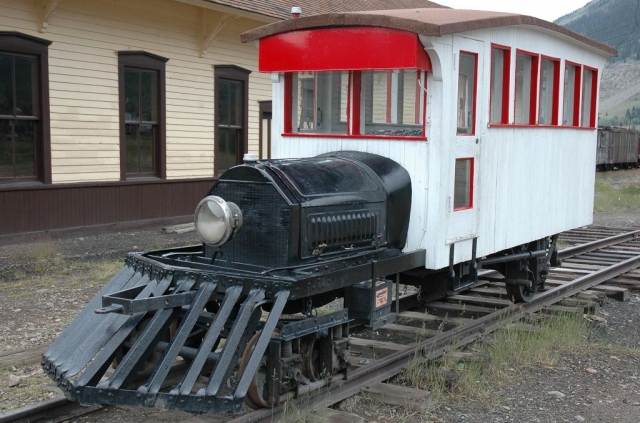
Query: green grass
609	199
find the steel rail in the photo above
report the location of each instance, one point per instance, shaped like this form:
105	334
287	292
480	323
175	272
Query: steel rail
58	409
598	244
438	345
54	410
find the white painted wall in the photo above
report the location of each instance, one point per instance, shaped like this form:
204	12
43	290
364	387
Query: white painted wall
529	182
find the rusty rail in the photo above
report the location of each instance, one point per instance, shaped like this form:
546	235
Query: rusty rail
598	244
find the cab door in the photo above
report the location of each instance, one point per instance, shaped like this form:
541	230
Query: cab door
464	158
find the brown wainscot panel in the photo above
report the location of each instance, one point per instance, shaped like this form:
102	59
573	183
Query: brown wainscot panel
33	208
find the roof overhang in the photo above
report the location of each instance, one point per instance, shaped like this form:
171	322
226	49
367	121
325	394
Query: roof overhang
332	49
431	21
234	11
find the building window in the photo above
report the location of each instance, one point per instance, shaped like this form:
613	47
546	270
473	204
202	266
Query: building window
526	88
571	103
142	115
467	76
500	70
264	130
589	97
549	91
231	138
320	101
463	185
25	147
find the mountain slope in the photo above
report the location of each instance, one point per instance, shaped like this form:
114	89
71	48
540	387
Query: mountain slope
612	22
616	23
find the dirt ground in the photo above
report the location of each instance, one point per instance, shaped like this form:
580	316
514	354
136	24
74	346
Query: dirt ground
570	391
46	279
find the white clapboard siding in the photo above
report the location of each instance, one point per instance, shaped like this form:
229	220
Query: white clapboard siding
87	176
83	76
75	95
92	145
65	154
66	112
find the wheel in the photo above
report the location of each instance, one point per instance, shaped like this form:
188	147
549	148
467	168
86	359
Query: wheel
311	359
517	270
255	395
519	293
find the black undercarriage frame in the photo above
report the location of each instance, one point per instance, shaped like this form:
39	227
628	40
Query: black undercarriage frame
164	305
155	306
524	268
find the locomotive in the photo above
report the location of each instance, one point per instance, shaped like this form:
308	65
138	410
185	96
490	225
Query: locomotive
416	162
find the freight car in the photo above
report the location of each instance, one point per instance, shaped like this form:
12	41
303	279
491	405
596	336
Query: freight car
618	148
427	144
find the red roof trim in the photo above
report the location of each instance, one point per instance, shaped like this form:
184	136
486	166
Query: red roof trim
333	49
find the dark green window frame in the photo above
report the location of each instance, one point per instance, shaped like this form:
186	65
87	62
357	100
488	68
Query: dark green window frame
231	123
25	143
142	115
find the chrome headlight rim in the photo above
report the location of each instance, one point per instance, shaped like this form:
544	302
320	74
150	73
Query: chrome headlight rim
231	218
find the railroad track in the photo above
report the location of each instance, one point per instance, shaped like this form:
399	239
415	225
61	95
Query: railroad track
597	255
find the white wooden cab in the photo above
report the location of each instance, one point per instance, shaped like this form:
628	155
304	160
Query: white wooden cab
520	122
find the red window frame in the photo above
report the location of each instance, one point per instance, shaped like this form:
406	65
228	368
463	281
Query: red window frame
533	89
469	206
594	96
558	117
555	108
577	94
506	80
287	126
475	91
353	110
354	117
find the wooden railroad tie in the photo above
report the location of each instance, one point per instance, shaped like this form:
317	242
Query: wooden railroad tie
179	229
413	399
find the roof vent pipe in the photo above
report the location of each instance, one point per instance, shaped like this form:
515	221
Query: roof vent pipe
296	11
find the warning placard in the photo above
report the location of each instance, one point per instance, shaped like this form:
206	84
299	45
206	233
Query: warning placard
382	297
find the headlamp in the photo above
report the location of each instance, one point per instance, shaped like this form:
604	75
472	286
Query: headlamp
217	220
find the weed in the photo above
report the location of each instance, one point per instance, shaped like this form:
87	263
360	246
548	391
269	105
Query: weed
617	350
507	350
610	199
40	251
299	413
84	274
373	411
58	273
514	347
